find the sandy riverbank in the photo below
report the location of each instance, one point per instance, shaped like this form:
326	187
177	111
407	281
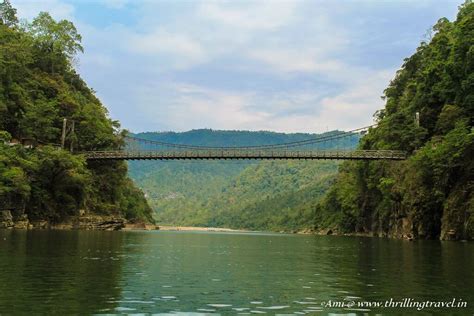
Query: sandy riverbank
203	229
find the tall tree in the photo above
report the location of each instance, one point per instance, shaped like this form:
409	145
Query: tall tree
8	14
55	40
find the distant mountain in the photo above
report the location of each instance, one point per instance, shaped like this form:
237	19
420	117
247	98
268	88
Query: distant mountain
239	194
209	137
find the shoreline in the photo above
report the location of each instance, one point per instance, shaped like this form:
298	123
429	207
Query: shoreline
126	227
117	223
202	229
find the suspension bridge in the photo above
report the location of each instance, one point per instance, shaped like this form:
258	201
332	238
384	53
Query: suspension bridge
308	149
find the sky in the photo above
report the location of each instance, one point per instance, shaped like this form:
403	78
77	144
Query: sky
287	66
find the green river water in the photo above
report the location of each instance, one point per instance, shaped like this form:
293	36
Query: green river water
197	273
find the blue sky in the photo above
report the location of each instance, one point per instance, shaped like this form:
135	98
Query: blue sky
291	66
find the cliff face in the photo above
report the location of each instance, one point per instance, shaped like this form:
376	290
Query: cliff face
19	220
429	113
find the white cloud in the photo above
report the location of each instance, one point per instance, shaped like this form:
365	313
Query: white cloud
191	106
250	15
183	50
277	65
29	9
99	60
115	4
276	34
355	106
284	61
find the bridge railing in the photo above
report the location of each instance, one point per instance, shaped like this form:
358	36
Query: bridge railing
245	154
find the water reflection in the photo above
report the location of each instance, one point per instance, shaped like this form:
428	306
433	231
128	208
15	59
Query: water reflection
59	271
167	272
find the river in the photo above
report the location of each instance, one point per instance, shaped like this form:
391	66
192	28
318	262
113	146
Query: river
199	273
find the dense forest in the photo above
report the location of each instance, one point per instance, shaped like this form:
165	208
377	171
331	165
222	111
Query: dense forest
429	113
39	87
271	195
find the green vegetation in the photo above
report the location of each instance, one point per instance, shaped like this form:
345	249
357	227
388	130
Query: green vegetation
270	195
431	194
38	88
429	113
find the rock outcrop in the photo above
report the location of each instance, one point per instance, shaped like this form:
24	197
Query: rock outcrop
6	219
84	222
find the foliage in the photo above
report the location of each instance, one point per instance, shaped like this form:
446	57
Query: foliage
272	196
8	14
433	190
241	194
38	88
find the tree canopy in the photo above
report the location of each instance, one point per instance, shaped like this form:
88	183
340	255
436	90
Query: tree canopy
431	194
39	87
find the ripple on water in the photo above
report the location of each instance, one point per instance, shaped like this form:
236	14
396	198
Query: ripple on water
168	297
303	302
124	309
359	309
219	305
206	310
315	308
273	307
180	313
240	309
312	310
136	302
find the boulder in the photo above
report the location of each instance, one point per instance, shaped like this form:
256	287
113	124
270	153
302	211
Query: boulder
6	219
99	222
22	222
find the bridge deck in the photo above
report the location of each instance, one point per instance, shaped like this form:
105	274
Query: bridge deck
247	154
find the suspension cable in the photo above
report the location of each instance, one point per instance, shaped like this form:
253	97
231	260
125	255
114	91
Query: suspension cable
311	141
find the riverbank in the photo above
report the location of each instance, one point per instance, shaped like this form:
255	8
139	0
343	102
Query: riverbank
202	229
11	220
117	223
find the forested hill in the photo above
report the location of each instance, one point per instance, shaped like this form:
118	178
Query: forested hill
431	194
271	195
209	137
38	88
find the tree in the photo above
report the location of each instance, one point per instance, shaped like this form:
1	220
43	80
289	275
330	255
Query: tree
55	40
38	88
8	14
40	121
5	136
430	195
